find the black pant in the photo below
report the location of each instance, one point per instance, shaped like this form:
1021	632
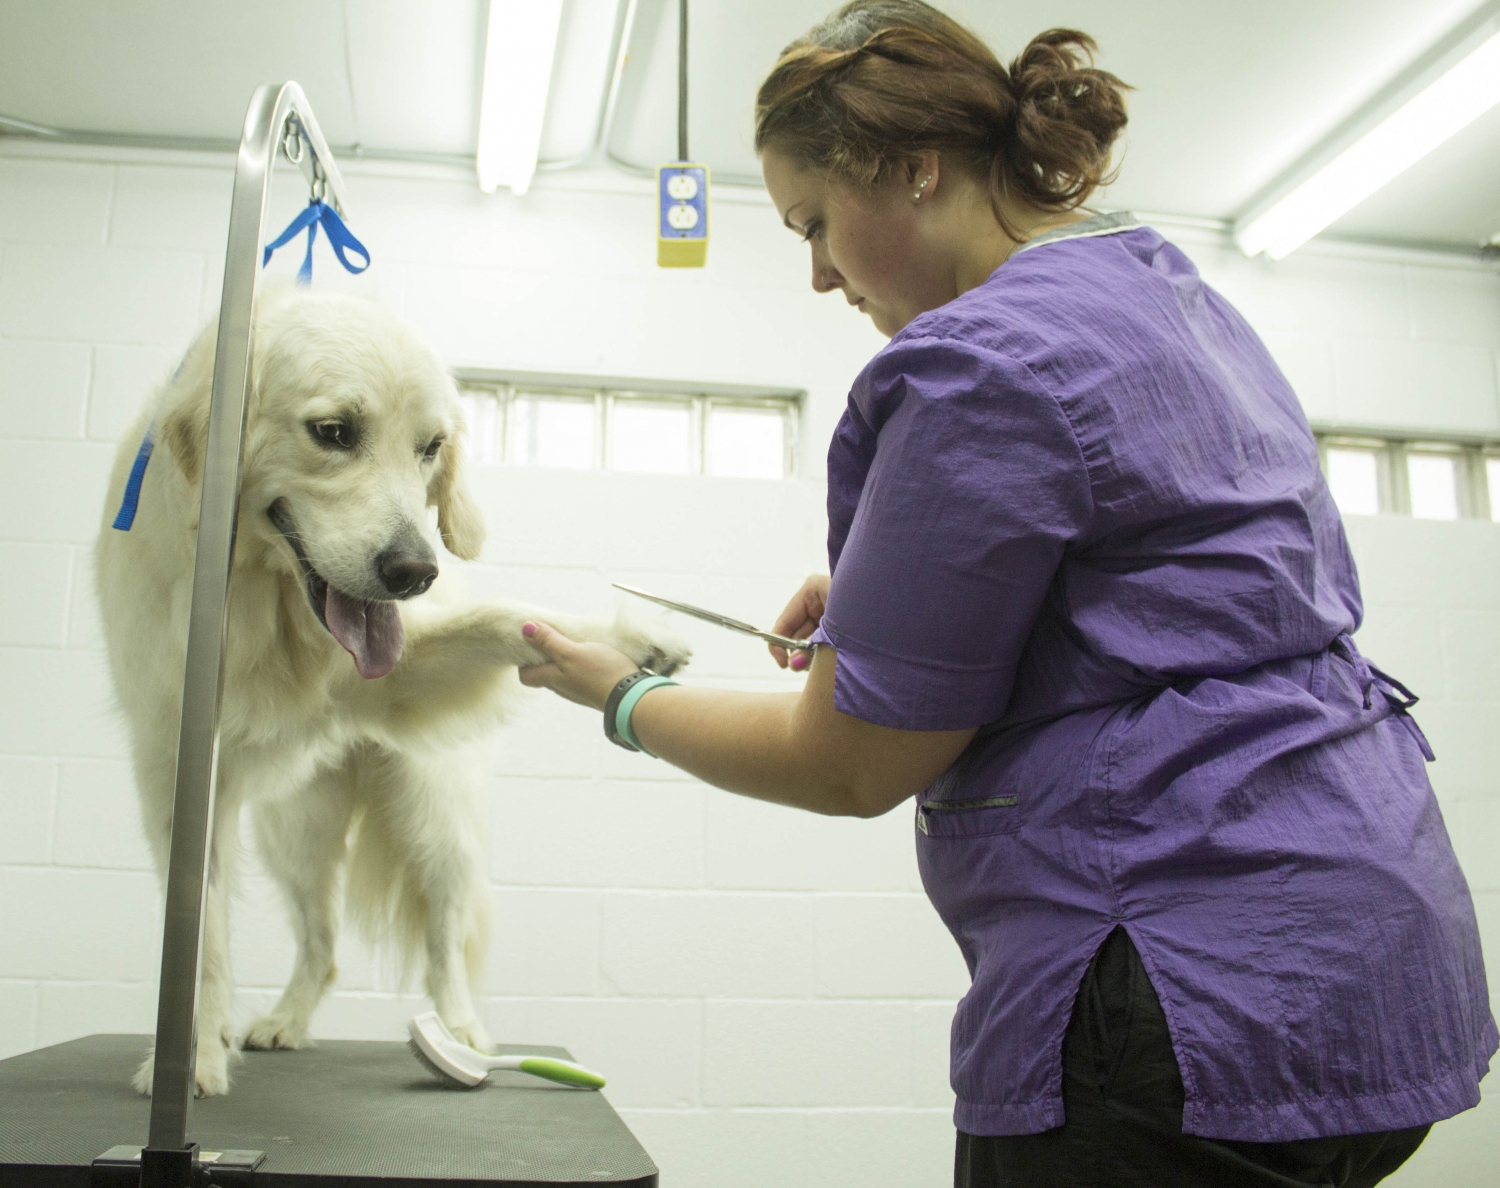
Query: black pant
1122	1098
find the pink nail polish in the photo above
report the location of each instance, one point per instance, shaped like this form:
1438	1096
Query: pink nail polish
529	630
799	661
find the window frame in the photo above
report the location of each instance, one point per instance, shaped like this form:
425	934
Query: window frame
1392	448
1385	467
607	393
506	449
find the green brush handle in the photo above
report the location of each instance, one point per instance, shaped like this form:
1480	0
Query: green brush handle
561	1071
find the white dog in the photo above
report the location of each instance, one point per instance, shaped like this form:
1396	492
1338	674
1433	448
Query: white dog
353	698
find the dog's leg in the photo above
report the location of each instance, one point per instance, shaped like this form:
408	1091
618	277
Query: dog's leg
453	661
302	840
154	783
216	986
216	983
429	808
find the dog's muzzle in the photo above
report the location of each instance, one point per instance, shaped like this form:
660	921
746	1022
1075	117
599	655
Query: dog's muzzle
369	629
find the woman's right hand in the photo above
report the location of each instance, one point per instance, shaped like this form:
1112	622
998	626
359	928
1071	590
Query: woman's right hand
801	618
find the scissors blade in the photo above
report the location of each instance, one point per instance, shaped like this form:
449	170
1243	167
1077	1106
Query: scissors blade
719	620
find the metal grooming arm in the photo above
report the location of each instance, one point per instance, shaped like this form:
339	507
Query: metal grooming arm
276	114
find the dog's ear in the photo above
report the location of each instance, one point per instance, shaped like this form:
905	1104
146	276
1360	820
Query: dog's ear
460	522
182	418
185	431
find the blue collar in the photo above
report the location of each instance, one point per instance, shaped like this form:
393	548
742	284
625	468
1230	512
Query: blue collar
125	517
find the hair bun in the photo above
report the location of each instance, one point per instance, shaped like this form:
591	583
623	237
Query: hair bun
1067	116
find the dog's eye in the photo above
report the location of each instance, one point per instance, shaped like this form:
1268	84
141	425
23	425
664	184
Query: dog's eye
432	449
340	435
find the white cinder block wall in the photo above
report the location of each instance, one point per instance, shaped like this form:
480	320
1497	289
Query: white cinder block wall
769	992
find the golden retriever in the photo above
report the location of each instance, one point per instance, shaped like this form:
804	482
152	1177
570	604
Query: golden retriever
356	690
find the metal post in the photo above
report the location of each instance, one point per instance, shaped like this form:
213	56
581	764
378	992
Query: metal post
203	683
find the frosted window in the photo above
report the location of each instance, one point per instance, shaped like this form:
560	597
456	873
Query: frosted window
1492	472
1434	486
483	425
652	438
1354	479
746	442
635	429
553	431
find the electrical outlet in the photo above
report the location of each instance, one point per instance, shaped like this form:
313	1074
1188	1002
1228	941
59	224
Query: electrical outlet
682	225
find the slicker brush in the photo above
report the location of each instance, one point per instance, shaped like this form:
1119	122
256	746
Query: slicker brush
435	1046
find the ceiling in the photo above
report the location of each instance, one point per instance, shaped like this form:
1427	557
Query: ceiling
1227	96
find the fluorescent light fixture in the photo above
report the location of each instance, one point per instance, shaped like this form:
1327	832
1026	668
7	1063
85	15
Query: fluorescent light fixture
520	43
1438	97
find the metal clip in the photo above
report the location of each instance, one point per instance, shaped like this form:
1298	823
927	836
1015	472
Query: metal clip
319	181
292	134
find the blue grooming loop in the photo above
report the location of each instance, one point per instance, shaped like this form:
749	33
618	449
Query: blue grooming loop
340	238
319	213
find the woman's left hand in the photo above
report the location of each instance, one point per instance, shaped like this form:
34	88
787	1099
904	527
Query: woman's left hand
581	672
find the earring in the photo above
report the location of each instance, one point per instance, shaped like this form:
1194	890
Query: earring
917	197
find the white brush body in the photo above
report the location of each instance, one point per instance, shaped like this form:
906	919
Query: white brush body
461	1064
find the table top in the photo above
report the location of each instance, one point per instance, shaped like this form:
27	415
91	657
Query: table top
353	1112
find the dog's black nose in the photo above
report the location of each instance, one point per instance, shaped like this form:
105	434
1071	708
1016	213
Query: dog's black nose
404	573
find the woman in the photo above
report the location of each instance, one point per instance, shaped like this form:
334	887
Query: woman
1091	604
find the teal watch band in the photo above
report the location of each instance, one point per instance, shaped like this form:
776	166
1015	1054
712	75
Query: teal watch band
612	703
627	706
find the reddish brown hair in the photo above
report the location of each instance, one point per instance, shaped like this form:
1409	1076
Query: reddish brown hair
881	81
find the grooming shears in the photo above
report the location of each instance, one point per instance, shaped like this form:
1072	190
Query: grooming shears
708	616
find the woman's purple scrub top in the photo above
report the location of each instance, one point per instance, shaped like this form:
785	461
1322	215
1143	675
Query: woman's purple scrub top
1080	508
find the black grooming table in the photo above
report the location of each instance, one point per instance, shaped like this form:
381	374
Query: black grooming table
354	1113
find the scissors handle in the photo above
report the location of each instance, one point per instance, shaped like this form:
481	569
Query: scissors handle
786	641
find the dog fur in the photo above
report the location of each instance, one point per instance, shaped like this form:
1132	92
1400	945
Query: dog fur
369	783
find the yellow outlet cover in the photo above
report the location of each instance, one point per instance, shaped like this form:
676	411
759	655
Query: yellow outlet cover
681	253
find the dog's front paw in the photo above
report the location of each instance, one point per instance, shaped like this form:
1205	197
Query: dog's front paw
655	647
471	1033
212	1074
276	1031
211	1077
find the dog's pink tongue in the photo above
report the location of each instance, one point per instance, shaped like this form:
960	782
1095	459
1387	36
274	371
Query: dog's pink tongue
371	632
